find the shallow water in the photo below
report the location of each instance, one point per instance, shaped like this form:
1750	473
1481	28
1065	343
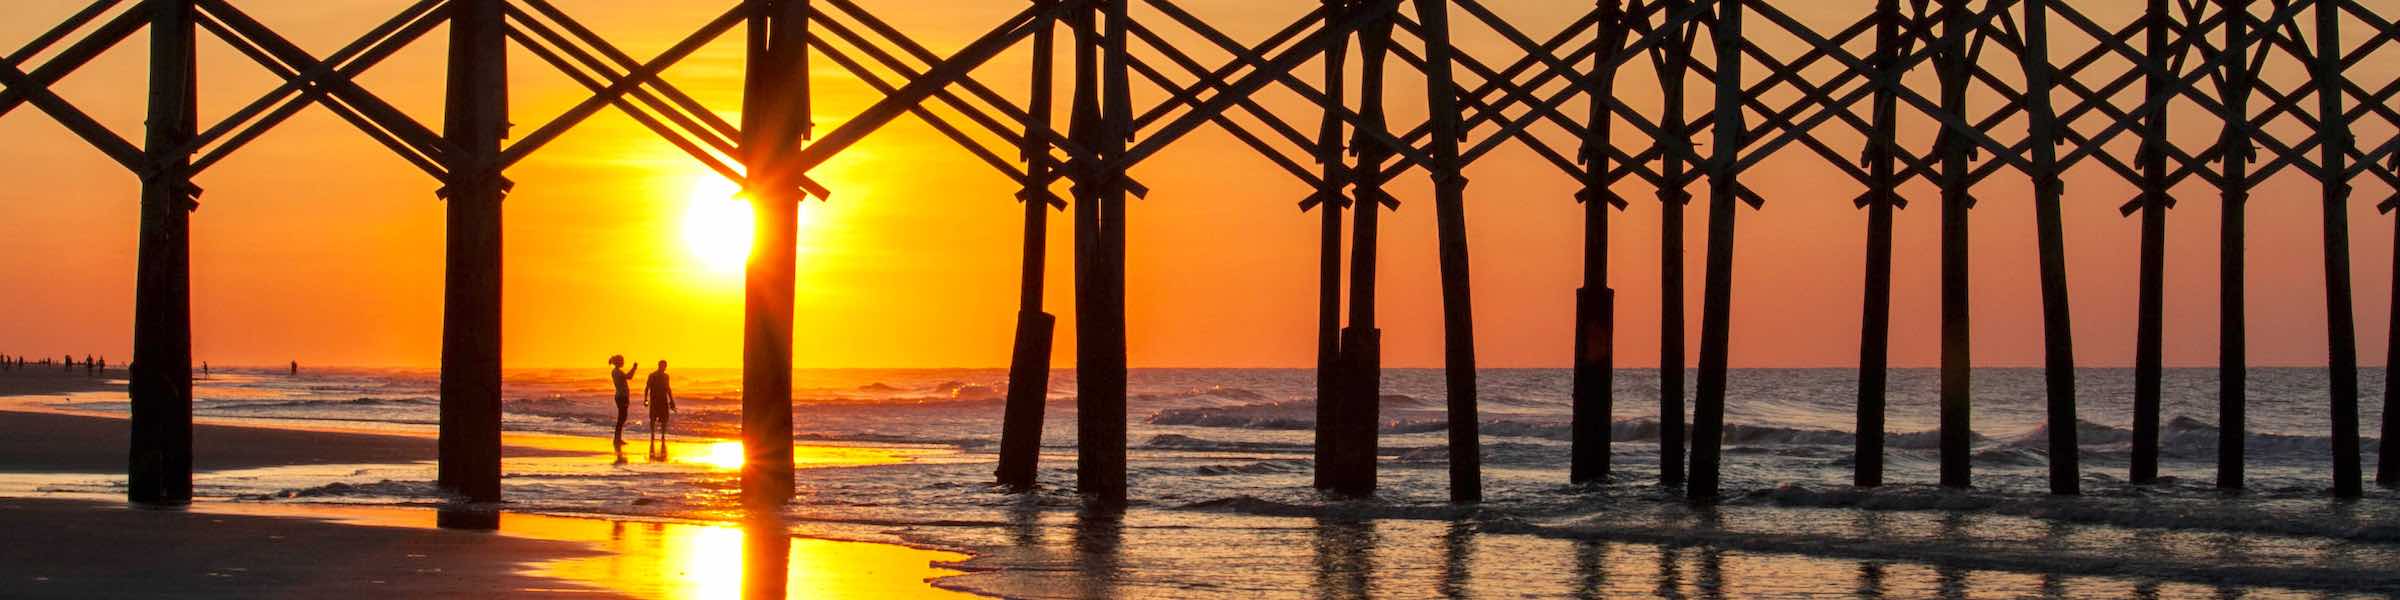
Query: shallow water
1222	506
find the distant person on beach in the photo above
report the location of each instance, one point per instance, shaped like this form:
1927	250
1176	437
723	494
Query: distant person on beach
87	364
660	397
295	368
204	369
617	374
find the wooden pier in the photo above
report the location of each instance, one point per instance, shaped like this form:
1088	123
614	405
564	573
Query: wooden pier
2031	88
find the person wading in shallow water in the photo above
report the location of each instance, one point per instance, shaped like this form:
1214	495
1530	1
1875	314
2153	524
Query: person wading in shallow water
660	397
623	378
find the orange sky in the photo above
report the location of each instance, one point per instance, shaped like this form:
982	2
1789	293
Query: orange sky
314	244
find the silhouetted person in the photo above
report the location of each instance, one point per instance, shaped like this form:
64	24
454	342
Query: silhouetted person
617	374
295	368
660	397
204	369
88	365
103	366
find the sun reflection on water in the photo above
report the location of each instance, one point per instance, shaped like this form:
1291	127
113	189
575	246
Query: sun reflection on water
754	560
723	456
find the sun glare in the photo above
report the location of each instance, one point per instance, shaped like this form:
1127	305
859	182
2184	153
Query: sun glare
721	455
717	224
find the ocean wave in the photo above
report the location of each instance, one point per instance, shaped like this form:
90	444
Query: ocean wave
1981	556
2182	437
2138	512
381	489
1169	441
350	403
1264	467
1368	508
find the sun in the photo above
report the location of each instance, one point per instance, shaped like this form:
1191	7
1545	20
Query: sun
717	224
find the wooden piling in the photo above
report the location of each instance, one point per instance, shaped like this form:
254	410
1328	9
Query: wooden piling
476	122
1102	113
1716	294
1450	224
1673	64
2232	335
1952	146
1029	362
159	470
1362	343
1595	303
775	123
2150	307
2333	132
2058	331
1329	201
1874	329
2387	457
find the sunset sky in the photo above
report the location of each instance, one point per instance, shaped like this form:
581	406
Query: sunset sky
315	244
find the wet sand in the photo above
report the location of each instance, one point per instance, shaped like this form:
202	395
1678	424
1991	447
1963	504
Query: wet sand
61	443
83	548
75	549
80	549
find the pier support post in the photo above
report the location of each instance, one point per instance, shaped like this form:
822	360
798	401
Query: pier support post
1329	202
1359	412
476	122
1102	107
1875	322
2333	132
2058	331
1951	146
2387	457
1595	303
2148	361
2233	364
160	387
1450	224
1029	363
1716	297
775	125
1673	65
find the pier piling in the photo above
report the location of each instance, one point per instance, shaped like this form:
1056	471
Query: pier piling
476	123
160	378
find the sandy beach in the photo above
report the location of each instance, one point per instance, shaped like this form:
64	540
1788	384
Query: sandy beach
69	545
74	549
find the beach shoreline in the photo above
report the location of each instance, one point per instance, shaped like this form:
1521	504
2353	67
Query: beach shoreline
901	460
239	548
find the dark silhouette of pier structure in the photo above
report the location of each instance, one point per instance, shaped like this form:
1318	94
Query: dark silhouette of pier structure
2035	88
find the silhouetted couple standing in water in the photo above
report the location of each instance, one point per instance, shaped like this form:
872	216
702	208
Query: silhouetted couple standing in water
657	394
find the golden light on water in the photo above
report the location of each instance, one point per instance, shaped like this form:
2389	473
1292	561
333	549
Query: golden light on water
748	561
721	455
717	224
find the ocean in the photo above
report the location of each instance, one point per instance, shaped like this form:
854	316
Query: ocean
1221	503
